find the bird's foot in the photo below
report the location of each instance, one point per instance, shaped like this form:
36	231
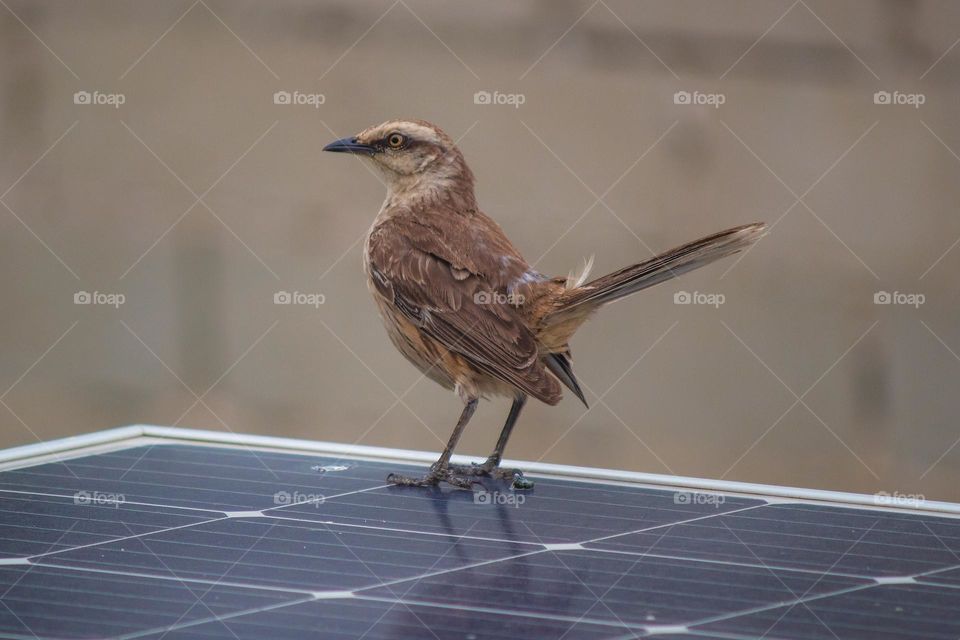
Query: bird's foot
438	473
492	469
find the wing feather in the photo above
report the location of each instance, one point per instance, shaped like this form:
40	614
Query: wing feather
458	299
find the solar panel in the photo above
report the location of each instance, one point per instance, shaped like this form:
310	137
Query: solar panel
160	533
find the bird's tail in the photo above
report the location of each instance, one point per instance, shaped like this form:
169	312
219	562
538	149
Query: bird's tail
574	305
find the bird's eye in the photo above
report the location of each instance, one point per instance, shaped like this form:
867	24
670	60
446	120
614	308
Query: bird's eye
395	140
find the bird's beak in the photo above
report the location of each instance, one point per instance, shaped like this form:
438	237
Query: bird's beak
350	145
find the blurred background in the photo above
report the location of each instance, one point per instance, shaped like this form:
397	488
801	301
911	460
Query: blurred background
159	194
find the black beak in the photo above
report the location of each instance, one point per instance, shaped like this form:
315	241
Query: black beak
350	145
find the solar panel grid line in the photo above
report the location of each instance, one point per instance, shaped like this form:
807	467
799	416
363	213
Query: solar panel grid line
132	536
729	563
510	612
671	524
219	618
199	581
399	530
784	605
432	574
130	502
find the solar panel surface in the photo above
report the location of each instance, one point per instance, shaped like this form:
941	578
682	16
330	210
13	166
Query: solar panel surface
185	540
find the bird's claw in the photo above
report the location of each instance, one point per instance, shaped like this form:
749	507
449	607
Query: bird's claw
491	469
463	476
432	479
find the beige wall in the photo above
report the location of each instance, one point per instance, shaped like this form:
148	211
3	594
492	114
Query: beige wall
707	392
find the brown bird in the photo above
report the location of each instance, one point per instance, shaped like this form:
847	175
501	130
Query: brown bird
461	303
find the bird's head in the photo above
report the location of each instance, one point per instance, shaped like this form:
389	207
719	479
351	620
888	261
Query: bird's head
411	154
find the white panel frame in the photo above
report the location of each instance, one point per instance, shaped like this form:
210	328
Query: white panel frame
139	435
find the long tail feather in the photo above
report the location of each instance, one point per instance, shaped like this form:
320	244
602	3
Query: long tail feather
665	266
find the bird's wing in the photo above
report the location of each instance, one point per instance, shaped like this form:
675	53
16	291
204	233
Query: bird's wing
447	295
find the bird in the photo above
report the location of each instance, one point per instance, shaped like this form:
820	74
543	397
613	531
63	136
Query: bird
460	302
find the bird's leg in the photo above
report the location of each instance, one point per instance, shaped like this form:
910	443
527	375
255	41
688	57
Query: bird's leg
441	469
491	467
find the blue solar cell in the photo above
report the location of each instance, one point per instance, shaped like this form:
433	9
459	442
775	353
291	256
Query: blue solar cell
805	536
886	612
31	523
49	602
